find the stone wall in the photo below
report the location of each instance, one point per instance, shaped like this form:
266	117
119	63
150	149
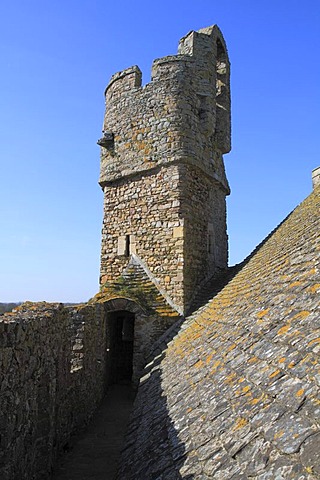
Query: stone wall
205	239
48	389
162	144
148	210
175	218
55	365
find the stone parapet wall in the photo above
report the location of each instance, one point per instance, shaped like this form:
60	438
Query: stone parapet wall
56	363
43	397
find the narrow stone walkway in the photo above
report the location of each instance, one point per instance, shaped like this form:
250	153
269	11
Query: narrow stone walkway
95	453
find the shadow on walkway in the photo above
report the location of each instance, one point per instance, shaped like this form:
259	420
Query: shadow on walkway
95	453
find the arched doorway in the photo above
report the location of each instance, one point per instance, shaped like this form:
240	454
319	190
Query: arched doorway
124	340
120	339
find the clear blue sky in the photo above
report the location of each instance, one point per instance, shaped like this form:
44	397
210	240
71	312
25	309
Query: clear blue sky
56	59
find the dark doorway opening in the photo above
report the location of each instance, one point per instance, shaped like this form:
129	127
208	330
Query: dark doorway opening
120	336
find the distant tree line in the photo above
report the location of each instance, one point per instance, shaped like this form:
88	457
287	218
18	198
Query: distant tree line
8	307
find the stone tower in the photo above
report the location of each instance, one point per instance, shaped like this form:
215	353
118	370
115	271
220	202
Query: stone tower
162	170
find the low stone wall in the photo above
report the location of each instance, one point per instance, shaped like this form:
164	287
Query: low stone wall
52	377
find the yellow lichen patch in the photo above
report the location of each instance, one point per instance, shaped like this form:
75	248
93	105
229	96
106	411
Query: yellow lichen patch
282	360
225	302
177	351
309	469
312	271
314	288
275	373
260	321
215	366
291	365
262	313
246	389
279	434
209	357
253	360
200	318
295	284
283	277
194	336
300	392
230	379
315	340
241	422
232	347
195	327
141	145
199	364
302	314
283	329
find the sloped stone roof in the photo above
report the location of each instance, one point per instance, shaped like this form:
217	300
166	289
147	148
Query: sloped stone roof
136	285
235	394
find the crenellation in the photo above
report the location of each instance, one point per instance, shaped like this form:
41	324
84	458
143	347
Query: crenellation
185	46
171	68
125	80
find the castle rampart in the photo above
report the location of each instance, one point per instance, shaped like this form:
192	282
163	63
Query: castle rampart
52	377
56	364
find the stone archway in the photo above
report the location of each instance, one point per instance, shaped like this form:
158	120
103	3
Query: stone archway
123	362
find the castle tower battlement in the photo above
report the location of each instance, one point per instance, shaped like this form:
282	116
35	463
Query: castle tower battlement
162	169
183	113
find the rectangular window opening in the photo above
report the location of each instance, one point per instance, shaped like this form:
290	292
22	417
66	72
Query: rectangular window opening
127	246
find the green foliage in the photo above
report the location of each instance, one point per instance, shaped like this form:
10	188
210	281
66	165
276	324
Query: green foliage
8	307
